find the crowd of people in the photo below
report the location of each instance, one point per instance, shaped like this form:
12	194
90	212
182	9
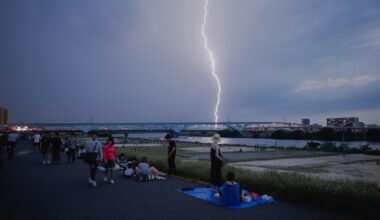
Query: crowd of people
95	154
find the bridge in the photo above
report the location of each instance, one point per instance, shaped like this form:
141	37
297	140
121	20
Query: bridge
176	127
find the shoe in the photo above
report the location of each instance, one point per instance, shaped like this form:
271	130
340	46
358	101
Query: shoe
94	183
44	162
90	180
48	162
112	181
105	179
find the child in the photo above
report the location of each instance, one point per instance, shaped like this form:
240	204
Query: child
123	161
110	155
230	191
129	171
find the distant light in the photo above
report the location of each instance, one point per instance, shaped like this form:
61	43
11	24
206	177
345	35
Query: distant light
19	128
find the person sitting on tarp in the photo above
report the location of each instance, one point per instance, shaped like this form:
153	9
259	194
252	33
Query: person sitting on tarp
230	191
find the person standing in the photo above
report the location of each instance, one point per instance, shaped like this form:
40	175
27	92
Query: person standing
172	149
12	140
71	148
36	142
216	162
56	142
94	146
3	144
45	145
109	156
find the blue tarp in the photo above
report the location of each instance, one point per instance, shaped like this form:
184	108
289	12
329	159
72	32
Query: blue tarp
208	195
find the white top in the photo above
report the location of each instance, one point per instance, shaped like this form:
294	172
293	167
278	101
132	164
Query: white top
128	172
12	137
96	147
37	138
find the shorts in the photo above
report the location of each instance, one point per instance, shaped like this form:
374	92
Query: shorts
110	164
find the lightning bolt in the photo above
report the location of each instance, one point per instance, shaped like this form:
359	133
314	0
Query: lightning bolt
212	60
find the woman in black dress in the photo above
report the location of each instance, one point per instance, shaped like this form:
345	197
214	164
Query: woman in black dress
56	147
216	162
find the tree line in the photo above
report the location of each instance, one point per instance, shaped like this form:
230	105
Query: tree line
328	134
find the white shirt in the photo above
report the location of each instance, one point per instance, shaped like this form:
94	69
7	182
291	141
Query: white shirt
95	146
12	137
128	172
37	138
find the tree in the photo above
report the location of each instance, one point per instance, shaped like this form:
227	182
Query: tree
327	134
329	147
279	134
373	134
298	134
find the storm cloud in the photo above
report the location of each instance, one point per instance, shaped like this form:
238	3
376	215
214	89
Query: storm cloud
144	61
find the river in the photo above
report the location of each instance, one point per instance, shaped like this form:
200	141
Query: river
253	141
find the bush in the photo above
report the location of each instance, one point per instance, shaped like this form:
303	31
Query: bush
329	147
311	145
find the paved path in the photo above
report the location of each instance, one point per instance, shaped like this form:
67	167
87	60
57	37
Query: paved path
31	190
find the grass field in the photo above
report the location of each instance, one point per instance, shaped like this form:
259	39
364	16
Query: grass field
337	194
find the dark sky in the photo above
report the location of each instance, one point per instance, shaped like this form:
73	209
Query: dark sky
144	61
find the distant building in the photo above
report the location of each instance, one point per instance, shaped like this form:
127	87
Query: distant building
361	124
349	122
372	126
305	122
3	116
315	127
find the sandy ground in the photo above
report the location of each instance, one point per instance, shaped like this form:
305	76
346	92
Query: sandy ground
224	149
351	167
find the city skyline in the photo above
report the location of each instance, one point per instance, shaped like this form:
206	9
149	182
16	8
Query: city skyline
144	61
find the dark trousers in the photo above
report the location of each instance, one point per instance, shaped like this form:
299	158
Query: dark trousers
71	155
11	148
35	147
1	157
93	168
172	168
216	175
56	154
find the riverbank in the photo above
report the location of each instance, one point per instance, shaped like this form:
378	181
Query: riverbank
336	193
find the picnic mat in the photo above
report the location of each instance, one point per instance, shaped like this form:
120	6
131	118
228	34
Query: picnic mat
208	195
